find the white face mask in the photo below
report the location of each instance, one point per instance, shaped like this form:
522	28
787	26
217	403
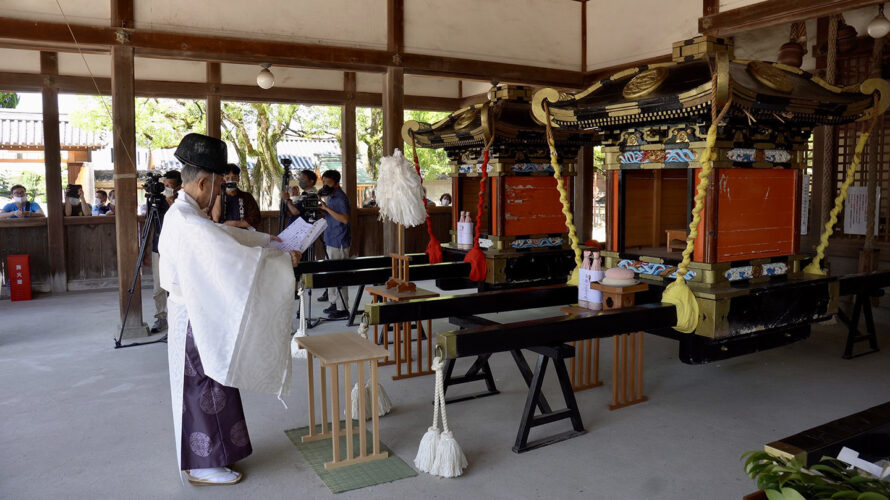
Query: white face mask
19	199
98	201
169	192
74	201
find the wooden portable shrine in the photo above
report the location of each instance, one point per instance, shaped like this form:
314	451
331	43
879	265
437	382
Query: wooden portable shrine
523	232
653	121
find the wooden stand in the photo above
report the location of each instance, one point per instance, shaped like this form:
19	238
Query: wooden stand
408	364
401	265
584	368
627	349
334	350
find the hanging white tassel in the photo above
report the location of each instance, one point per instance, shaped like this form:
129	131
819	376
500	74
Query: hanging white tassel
449	460
384	404
399	191
295	350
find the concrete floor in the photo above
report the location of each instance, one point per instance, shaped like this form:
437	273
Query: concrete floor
79	419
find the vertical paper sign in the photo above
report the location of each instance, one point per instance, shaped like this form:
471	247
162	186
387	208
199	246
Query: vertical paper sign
805	204
855	218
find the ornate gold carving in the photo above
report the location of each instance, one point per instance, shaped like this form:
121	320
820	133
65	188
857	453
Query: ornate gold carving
644	83
771	76
465	119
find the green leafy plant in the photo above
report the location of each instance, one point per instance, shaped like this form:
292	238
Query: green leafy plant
784	479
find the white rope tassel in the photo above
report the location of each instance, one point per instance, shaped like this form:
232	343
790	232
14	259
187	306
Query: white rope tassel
429	443
450	460
384	404
399	191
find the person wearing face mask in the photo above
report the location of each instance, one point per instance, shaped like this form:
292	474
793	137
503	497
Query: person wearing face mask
172	184
101	207
229	313
337	238
75	202
234	207
296	206
111	199
291	197
20	206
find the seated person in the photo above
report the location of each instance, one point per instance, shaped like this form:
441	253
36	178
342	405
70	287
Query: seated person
234	207
75	203
445	200
20	207
101	207
111	199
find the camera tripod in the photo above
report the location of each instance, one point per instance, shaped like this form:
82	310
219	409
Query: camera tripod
304	313
152	221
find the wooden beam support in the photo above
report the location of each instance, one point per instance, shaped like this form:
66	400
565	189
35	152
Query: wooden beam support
214	106
393	117
710	7
349	150
123	109
395	26
52	158
583	194
774	13
584	36
122	13
190	46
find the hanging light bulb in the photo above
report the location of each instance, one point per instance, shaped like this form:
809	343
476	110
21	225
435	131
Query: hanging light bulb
265	79
879	26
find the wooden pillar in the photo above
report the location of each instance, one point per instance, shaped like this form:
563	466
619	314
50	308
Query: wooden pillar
348	153
123	109
214	107
584	36
583	214
393	104
52	158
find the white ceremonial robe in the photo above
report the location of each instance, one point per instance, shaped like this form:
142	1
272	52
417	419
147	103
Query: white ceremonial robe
238	296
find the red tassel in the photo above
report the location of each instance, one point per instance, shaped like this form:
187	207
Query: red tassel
434	248
476	258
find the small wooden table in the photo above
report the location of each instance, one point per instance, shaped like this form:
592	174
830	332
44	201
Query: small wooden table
402	355
584	367
334	350
627	362
675	235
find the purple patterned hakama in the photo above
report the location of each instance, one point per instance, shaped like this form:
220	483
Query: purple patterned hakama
214	433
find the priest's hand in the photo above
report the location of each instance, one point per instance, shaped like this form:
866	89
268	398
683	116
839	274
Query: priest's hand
295	257
272	237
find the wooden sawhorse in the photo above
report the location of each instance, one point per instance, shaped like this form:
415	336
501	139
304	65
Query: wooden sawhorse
402	356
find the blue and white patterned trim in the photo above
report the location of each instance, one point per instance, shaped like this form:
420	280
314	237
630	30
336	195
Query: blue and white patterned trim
750	155
748	272
472	168
537	243
529	168
657	156
652	269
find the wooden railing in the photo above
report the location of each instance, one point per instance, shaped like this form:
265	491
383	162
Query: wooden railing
91	249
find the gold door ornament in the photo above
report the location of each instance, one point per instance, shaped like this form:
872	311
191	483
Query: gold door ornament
644	83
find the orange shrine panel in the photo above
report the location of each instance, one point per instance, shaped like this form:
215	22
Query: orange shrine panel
531	206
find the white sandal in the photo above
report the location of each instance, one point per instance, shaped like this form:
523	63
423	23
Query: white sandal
216	476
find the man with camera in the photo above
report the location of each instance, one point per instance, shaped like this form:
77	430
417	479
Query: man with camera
75	202
337	238
172	182
306	203
234	207
20	207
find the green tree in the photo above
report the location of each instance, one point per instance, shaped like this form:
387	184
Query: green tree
160	123
9	100
433	161
369	131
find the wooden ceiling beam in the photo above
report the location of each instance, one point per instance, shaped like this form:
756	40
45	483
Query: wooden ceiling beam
773	13
173	45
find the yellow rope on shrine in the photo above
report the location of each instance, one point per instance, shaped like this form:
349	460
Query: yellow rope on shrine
815	267
564	199
678	292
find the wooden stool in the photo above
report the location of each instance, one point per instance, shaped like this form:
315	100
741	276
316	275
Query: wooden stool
627	361
676	235
333	350
584	367
412	364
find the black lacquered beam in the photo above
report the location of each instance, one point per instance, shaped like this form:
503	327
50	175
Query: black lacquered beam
470	304
856	283
556	330
381	274
322	266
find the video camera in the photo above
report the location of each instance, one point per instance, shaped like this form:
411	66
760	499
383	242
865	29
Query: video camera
154	189
310	207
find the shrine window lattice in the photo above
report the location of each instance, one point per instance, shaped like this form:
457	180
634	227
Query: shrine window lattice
851	70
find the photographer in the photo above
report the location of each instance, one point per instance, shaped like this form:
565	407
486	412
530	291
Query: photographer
234	207
172	181
75	203
298	207
337	239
